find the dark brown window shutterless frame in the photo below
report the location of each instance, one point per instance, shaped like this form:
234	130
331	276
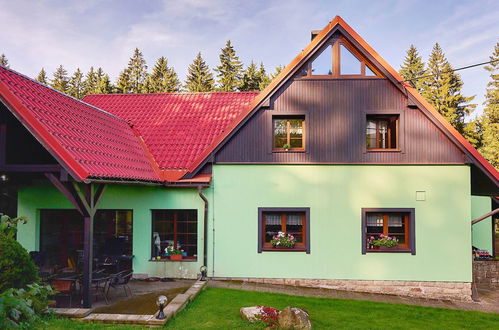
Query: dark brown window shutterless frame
288	133
178	228
393	222
292	220
382	132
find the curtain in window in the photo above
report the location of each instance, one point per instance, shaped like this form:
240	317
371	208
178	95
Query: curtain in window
375	220
294	219
273	219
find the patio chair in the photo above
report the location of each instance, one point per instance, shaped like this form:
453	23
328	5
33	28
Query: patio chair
65	288
100	287
121	279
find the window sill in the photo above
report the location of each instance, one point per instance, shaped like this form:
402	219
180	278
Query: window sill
267	249
383	150
388	250
290	150
168	260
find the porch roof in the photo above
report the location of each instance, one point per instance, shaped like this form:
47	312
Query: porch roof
89	142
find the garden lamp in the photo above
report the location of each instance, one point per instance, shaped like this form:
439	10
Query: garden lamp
161	302
204	272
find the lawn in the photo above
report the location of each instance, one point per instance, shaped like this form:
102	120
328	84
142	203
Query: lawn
217	308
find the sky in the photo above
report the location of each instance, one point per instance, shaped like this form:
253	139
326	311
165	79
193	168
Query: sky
36	34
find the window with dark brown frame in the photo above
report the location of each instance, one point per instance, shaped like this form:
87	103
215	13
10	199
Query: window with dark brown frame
288	133
382	132
177	228
395	223
294	221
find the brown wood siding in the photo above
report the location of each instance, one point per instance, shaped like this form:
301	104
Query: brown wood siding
335	113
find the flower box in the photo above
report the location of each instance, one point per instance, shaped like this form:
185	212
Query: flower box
283	247
175	257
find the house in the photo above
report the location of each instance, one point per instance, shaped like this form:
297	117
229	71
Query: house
337	149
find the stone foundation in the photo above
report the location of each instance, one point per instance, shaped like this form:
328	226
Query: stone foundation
429	290
486	273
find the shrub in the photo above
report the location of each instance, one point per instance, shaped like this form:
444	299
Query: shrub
17	270
20	307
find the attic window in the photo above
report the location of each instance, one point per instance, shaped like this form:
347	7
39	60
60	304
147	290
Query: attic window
349	64
337	59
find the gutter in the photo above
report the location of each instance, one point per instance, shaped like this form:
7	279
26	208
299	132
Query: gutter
205	222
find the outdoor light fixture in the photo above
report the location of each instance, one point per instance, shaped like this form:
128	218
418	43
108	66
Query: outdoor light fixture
4	177
204	272
161	302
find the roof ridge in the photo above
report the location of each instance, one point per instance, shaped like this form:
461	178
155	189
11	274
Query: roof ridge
174	93
57	91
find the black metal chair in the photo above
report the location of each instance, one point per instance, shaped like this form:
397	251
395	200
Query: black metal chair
122	279
100	286
65	287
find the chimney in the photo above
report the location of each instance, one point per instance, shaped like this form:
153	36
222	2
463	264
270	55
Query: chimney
314	34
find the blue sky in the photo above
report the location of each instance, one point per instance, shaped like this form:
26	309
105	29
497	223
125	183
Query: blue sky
37	34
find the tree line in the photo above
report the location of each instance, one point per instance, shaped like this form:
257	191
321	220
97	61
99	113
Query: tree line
435	80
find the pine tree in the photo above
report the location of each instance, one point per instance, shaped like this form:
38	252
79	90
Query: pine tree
163	79
229	72
268	78
443	90
124	83
60	81
75	85
137	70
42	77
4	61
91	81
252	78
490	118
104	86
199	78
413	67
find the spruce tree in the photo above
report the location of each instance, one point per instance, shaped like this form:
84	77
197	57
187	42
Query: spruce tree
4	61
124	83
252	78
490	118
105	86
268	78
42	77
137	70
60	81
199	77
163	79
413	67
76	86
443	90
229	72
90	84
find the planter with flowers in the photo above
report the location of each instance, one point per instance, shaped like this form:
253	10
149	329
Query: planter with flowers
383	242
174	254
283	241
286	147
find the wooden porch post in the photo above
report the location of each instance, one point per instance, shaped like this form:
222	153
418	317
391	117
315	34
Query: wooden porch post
86	200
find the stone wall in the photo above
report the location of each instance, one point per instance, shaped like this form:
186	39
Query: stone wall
429	290
486	273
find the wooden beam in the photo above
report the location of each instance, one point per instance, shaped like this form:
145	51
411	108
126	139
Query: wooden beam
485	216
42	168
66	190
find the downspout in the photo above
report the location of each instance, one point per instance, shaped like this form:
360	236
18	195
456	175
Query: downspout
205	221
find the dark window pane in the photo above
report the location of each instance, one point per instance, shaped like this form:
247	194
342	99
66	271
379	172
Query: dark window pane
381	132
323	64
163	224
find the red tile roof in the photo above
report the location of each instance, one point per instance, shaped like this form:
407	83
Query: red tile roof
89	142
177	127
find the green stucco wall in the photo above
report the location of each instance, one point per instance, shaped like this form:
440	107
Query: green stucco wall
141	199
335	195
482	231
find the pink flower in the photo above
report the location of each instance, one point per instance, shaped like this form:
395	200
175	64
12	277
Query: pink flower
381	235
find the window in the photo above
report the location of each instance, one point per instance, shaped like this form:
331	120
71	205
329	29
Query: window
349	64
294	221
398	223
289	133
178	228
381	132
338	59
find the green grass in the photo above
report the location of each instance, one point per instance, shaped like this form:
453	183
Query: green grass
217	308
